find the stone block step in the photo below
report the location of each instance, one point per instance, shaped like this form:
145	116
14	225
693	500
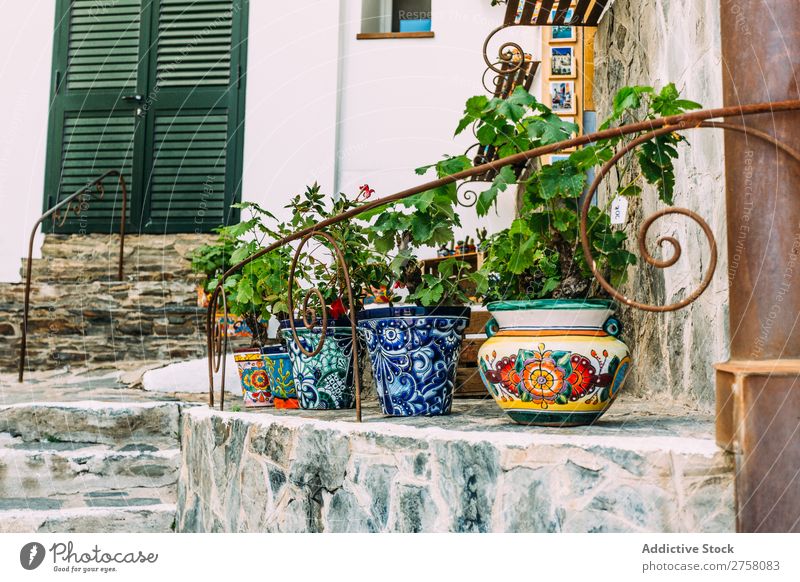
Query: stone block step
105	423
57	351
86	473
646	466
57	270
139	249
154	518
99	295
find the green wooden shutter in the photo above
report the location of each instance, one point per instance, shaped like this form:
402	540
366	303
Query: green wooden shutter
93	144
196	119
194	43
92	129
189	168
182	152
103	45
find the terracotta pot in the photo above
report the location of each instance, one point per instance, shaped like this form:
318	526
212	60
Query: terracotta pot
553	362
414	353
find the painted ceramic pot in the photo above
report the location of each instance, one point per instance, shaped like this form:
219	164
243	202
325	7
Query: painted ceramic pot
324	381
253	377
281	378
553	362
414	353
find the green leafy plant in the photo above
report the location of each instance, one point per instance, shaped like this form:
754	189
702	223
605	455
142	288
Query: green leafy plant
426	219
539	255
259	290
368	270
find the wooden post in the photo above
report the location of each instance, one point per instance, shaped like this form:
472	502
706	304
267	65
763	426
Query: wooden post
758	390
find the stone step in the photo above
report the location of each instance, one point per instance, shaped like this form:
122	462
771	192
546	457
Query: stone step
52	352
85	473
154	518
70	258
133	295
647	466
101	423
138	248
58	270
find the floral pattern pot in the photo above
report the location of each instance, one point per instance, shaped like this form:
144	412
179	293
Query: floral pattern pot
253	377
414	353
324	381
281	378
553	362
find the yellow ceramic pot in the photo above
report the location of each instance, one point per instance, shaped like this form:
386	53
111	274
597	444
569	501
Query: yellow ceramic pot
553	362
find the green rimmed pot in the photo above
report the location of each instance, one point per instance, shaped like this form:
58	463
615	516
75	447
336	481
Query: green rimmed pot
324	381
554	362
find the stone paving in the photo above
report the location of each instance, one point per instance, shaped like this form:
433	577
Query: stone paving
643	468
90	450
86	451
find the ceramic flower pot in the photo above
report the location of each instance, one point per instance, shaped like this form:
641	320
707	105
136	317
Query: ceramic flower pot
324	381
414	353
281	378
553	362
253	377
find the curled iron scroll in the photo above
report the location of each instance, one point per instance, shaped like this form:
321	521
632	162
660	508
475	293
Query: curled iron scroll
309	315
506	54
648	223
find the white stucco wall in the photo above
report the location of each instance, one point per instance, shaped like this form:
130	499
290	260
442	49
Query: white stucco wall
26	39
400	99
292	79
404	98
387	106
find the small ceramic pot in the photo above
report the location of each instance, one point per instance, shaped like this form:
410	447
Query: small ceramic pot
553	362
414	353
281	378
324	381
253	377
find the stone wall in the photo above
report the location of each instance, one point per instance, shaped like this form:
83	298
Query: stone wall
654	42
470	472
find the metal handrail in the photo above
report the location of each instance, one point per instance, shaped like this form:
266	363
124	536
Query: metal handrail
653	127
87	190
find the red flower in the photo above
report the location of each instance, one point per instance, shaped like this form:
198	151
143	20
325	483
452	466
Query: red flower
582	378
365	192
337	309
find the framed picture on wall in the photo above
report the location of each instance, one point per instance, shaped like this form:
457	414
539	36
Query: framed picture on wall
562	97
562	33
562	62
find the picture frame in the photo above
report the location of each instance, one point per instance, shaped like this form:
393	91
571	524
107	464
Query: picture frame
563	64
563	100
562	33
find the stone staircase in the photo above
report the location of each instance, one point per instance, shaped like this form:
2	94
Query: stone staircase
89	467
80	314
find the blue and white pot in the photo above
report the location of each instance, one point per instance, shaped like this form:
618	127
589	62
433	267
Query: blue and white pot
414	353
324	381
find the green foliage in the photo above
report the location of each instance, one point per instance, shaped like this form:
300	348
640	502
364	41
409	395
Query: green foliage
260	289
366	263
426	219
539	255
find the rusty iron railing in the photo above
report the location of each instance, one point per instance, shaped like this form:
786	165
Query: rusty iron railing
93	189
649	129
